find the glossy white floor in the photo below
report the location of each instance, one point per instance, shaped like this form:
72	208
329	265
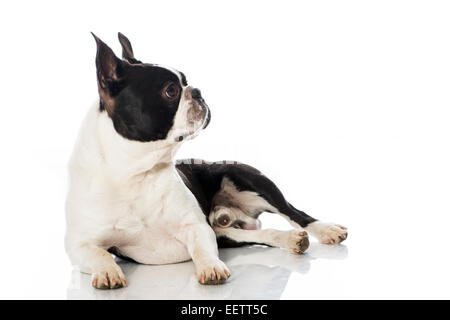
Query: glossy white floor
368	265
257	273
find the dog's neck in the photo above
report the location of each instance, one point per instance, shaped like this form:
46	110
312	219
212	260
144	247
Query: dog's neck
126	159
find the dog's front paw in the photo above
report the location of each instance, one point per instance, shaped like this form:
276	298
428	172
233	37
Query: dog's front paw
296	241
110	277
328	233
212	272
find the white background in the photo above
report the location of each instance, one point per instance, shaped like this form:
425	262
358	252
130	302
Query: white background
344	104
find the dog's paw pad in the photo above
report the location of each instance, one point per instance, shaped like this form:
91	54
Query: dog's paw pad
212	272
297	241
108	279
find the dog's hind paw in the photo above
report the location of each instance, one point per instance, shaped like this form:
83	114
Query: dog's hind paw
328	233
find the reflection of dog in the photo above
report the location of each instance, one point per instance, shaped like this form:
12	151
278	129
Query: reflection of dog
127	197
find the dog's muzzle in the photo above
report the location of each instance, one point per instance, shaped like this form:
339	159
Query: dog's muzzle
198	115
200	108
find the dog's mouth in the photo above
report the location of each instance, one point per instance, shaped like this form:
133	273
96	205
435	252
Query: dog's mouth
194	125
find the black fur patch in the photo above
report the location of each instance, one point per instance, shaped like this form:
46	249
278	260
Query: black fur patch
183	79
225	242
141	111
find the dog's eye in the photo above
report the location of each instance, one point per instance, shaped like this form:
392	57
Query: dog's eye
171	90
224	220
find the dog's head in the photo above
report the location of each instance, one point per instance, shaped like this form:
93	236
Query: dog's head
234	217
147	102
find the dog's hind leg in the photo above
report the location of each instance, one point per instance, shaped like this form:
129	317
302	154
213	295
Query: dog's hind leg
295	241
255	193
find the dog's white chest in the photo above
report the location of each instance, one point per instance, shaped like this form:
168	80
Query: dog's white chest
143	223
150	237
151	242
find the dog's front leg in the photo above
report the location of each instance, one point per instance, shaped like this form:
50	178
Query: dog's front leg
91	259
202	246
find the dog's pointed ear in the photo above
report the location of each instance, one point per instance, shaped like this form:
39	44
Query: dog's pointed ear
127	50
109	67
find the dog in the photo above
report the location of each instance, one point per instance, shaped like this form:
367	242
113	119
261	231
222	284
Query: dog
127	197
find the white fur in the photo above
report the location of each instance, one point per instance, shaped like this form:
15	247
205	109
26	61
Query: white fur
291	240
128	194
327	232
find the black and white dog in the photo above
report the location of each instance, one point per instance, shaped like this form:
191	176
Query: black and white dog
127	197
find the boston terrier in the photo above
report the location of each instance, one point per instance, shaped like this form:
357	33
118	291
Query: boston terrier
128	197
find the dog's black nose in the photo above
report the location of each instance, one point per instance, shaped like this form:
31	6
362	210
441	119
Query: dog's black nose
196	94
